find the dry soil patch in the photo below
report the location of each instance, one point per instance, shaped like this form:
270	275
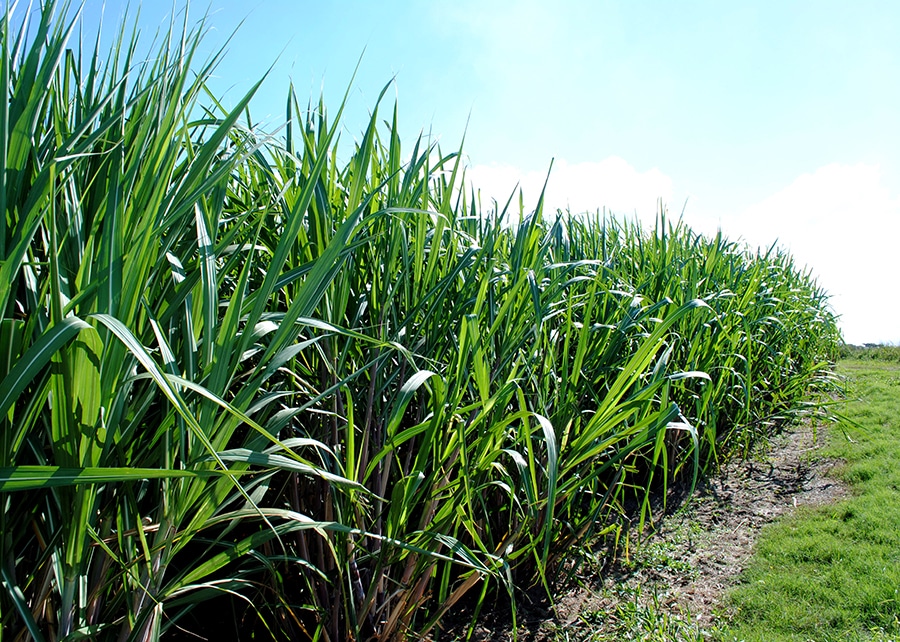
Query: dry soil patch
696	553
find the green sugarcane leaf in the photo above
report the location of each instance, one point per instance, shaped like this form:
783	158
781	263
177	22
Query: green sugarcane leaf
11	336
267	460
20	604
36	358
17	478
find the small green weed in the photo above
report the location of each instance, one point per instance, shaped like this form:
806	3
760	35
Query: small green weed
660	555
641	614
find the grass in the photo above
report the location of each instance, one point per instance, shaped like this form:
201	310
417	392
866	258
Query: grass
833	573
825	573
335	398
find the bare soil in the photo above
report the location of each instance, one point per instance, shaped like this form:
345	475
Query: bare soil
687	565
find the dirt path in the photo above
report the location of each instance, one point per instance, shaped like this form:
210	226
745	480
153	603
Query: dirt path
685	568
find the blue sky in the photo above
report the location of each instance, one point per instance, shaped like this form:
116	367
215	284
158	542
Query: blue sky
774	120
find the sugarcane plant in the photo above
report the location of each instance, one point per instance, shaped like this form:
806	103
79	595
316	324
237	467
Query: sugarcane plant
335	399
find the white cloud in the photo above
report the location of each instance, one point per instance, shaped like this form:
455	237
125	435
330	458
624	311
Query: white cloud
611	183
841	221
844	224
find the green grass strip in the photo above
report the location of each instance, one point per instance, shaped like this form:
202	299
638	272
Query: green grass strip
833	573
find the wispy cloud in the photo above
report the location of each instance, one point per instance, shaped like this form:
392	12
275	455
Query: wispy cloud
503	36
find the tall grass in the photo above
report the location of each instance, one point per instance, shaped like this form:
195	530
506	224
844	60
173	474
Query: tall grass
338	398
